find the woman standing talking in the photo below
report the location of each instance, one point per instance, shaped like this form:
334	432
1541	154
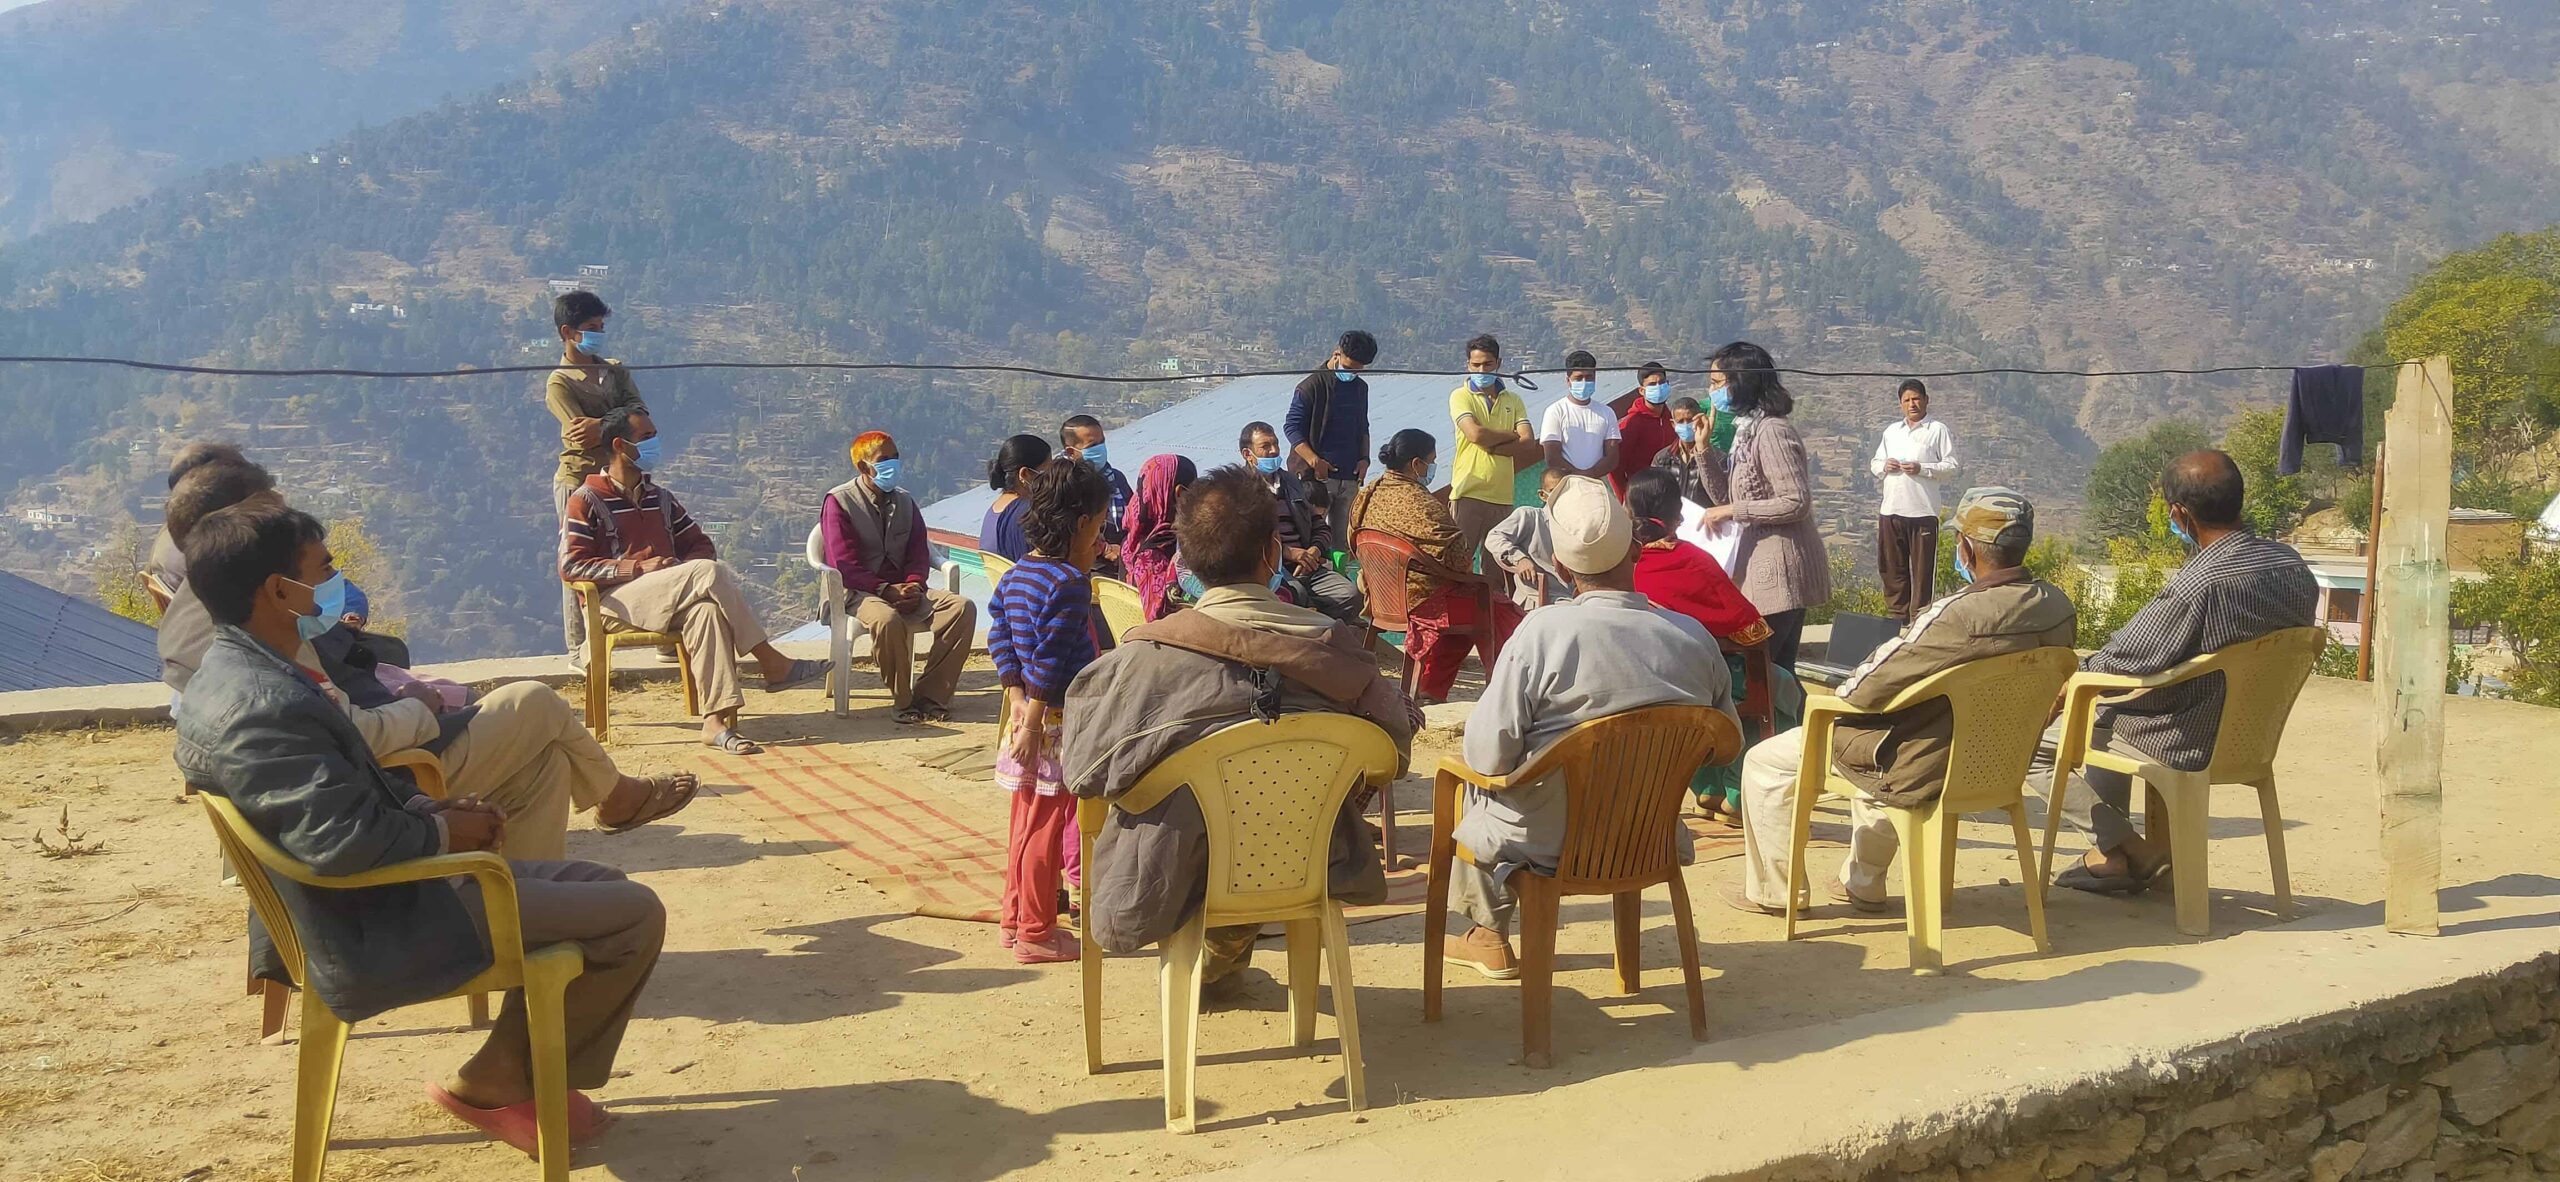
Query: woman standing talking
1765	486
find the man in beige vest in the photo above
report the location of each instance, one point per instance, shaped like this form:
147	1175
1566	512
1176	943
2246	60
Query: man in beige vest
875	538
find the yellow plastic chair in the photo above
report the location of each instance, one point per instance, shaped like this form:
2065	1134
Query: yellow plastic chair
1270	793
1121	606
543	973
2000	704
605	635
2261	679
274	996
1625	776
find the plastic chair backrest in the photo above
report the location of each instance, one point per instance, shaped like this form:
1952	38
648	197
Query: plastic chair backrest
997	566
1384	558
1121	606
1625	776
254	857
2260	680
2000	705
816	550
1269	793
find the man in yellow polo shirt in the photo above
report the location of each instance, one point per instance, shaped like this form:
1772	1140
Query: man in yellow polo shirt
1493	438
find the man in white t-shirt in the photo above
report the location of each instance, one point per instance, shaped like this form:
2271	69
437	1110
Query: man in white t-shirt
1915	454
1581	437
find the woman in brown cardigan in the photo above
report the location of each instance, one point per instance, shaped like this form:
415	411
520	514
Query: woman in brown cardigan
1766	486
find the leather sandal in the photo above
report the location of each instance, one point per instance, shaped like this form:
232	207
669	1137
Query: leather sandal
668	794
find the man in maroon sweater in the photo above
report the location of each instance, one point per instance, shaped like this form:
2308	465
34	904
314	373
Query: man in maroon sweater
1647	427
655	569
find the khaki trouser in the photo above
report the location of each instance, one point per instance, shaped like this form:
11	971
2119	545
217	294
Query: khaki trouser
954	621
1768	827
527	752
702	602
1475	520
617	924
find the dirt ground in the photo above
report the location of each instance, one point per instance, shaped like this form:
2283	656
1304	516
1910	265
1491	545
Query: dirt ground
798	1028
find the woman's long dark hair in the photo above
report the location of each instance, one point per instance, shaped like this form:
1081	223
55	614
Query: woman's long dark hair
1653	499
1018	453
1751	379
1406	446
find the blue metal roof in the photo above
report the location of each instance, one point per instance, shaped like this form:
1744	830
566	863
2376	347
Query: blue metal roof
49	640
1204	428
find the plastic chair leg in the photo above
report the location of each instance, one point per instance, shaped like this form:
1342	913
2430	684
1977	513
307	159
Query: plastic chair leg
1800	836
2026	858
2275	848
1387	826
1687	930
599	681
1435	918
478	1005
273	999
547	1035
684	675
1178	983
315	1088
1919	889
840	659
1306	958
2190	819
1536	918
1626	914
1346	1003
1089	963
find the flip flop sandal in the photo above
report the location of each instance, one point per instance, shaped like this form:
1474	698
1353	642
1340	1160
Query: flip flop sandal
2081	878
937	713
803	671
908	716
730	742
517	1126
667	796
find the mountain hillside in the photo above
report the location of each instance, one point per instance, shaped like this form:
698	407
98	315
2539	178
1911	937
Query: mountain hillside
1108	183
102	101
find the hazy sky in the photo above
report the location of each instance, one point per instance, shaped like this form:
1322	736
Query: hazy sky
6	5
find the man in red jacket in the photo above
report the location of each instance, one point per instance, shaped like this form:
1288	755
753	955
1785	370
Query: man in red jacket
655	569
1647	428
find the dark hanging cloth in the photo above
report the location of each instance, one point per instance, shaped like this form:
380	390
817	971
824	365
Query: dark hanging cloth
2327	407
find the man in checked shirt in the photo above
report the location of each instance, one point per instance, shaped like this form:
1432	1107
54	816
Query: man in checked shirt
2236	586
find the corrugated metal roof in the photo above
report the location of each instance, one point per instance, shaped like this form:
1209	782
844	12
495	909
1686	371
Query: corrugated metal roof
1204	428
49	640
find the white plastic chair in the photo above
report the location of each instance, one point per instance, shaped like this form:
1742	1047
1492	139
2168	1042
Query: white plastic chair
840	623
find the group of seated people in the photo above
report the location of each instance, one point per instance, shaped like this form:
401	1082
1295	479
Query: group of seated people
1608	611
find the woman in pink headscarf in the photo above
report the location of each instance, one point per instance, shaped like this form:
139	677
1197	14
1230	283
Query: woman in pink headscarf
1146	551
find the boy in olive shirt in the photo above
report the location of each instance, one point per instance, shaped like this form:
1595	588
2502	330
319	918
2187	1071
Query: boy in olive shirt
580	393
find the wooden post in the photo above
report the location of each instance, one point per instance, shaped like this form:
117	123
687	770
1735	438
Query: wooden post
2372	558
2411	637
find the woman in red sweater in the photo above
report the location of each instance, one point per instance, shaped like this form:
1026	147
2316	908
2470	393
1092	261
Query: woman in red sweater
1683	578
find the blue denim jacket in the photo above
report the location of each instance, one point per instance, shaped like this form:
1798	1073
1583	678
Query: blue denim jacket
261	734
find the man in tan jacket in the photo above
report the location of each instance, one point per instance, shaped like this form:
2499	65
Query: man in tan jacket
1899	760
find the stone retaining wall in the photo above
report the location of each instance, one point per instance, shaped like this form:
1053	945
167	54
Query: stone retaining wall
2456	1084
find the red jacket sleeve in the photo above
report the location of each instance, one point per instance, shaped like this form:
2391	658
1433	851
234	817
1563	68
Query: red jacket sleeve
691	542
919	564
584	557
835	534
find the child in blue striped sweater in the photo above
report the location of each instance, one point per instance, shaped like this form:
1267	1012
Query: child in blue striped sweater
1040	632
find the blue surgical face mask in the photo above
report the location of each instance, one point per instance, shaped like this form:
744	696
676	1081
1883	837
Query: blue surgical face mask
1964	570
1431	475
884	474
1688	432
1099	456
1582	390
328	602
2181	532
648	451
1344	375
1266	464
1482	382
1658	393
591	342
1721	397
1278	577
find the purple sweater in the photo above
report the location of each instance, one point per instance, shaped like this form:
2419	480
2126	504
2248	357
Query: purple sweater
1040	627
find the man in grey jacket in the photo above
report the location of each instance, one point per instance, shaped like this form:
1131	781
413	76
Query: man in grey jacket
1899	760
1237	655
259	730
1524	545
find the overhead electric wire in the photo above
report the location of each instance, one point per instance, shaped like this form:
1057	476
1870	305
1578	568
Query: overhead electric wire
1520	375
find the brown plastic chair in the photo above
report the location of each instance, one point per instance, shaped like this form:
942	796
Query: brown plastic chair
1385	559
605	635
1625	776
1999	704
2261	679
273	996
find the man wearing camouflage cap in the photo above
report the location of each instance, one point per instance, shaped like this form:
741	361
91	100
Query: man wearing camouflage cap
1899	760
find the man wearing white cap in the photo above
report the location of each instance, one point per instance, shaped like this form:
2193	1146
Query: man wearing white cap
1606	651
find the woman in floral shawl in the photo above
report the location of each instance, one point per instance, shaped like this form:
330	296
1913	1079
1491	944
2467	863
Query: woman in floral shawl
1146	549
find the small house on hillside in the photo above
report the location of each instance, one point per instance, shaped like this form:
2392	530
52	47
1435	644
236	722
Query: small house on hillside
2336	551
